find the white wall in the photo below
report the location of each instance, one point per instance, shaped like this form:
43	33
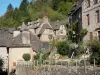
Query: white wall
16	33
62	29
45	35
16	54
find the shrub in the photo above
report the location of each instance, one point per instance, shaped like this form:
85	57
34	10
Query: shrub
83	32
26	57
63	47
1	63
95	51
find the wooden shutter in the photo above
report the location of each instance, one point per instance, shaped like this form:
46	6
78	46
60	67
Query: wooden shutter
88	19
91	35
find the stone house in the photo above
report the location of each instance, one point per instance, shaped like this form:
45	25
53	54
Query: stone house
91	18
29	38
46	30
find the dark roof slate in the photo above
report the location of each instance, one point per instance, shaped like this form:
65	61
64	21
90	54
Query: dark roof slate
45	26
77	6
35	42
5	38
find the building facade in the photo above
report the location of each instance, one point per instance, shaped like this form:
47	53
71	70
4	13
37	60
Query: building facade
91	18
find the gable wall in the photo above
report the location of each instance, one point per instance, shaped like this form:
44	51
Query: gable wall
45	35
61	29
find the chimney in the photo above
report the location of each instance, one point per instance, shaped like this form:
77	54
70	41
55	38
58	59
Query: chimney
45	19
29	23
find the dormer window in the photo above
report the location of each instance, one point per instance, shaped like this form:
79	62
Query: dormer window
61	32
97	16
50	37
88	3
95	1
99	35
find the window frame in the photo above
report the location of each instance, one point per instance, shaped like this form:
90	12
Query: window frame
97	16
88	19
95	2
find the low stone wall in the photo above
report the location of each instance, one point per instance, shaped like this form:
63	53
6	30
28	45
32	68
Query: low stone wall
57	70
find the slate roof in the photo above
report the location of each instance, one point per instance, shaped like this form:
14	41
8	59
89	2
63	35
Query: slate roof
45	26
5	38
77	6
56	25
35	42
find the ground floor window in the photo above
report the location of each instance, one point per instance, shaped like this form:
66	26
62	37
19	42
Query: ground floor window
99	35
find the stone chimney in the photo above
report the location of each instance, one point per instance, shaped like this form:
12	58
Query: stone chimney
29	23
45	19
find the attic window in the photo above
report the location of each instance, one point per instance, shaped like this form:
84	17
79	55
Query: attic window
88	3
50	37
95	1
61	32
99	35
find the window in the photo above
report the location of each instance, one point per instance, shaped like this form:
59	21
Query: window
97	16
88	3
35	31
95	1
88	19
61	31
99	35
50	37
91	35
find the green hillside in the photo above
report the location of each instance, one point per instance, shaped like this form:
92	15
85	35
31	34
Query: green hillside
28	11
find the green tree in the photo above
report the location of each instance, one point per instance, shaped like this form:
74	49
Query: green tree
63	47
55	4
23	5
83	33
64	8
9	11
10	7
94	46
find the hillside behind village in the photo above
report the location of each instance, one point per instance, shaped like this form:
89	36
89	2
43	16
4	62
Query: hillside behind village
28	11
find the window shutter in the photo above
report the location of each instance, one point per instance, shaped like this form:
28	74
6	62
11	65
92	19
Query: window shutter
91	35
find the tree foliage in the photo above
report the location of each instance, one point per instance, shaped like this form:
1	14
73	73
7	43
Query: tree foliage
26	56
63	47
10	7
94	46
28	11
23	5
64	8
